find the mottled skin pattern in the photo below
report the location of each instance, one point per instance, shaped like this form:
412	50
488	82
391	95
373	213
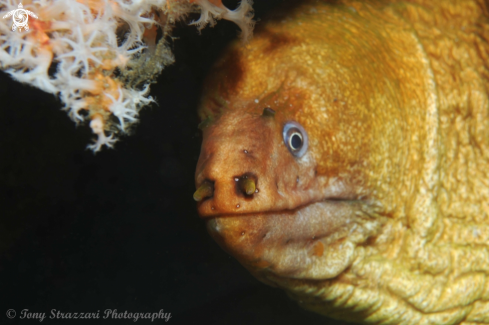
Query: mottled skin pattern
385	219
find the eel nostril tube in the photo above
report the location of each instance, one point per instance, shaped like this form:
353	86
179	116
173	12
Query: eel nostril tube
205	190
247	185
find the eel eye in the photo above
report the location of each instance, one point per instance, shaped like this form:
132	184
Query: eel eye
295	138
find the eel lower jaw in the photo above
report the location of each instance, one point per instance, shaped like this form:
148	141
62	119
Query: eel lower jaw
310	242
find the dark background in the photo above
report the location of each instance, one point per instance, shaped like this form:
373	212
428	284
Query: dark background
119	230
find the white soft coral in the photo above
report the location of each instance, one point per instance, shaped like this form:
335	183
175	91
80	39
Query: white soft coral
73	89
93	44
97	125
241	16
124	109
82	50
36	73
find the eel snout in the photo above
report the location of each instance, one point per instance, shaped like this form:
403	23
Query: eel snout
244	167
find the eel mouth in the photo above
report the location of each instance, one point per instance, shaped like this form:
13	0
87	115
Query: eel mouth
309	242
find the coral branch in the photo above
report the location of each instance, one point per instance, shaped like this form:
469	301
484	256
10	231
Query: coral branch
99	57
215	9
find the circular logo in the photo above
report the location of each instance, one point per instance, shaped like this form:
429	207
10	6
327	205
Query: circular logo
20	18
11	313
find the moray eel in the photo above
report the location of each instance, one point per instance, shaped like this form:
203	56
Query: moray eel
345	158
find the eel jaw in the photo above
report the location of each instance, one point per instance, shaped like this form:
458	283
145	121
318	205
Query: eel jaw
311	242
